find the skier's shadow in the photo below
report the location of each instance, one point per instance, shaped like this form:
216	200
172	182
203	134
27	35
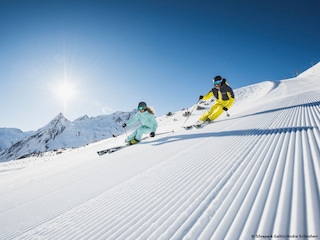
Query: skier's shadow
246	132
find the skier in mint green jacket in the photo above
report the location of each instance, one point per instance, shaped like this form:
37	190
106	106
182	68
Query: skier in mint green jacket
148	121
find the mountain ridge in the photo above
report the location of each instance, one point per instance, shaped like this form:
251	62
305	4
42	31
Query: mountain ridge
61	133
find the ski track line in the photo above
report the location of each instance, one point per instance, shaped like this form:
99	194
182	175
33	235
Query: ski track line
300	186
266	195
244	155
197	194
31	222
151	215
201	204
236	194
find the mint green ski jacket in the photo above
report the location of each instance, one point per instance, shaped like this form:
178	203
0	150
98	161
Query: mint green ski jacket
147	119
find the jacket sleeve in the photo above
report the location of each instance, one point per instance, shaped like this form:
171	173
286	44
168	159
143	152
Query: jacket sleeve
231	93
133	120
208	96
155	125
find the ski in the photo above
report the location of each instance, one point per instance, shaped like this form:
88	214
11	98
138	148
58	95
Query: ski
117	148
200	125
187	127
193	126
111	150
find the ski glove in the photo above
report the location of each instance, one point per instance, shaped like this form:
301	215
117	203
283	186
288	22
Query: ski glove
200	97
225	109
152	134
124	125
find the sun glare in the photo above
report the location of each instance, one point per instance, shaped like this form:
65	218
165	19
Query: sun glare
65	91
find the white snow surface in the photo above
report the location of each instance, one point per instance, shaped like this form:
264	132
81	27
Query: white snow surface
254	175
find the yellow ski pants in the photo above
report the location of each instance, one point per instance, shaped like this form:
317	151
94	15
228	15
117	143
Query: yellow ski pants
217	109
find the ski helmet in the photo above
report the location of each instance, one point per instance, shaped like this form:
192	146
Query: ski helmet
217	80
142	106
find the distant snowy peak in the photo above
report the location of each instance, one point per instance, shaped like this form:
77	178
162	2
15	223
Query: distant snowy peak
123	116
37	142
55	126
83	118
9	136
58	120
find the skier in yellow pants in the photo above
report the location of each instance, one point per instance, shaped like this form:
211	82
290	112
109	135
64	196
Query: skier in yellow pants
224	99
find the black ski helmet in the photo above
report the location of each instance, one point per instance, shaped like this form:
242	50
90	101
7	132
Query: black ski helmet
142	106
217	78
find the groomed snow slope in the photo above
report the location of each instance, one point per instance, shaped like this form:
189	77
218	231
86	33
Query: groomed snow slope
252	175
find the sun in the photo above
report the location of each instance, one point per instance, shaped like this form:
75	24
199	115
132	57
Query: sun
65	91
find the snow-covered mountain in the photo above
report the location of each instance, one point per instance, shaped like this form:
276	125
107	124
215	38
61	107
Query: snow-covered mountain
9	136
60	133
253	175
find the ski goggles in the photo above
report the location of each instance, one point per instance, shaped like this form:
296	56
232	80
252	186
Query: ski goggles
140	108
217	82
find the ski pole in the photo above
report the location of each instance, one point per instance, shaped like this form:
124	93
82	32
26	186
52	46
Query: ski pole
191	112
125	131
226	110
172	131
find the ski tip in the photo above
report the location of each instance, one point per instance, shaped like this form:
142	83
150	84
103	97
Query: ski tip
101	153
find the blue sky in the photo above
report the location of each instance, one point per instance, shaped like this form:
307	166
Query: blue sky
110	55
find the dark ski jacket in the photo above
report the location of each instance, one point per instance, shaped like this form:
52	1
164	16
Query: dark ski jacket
224	93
